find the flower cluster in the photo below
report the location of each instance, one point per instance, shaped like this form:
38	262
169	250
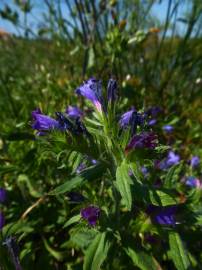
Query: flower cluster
71	120
140	136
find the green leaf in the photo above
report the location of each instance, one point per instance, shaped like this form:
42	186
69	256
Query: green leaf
123	184
93	172
143	260
7	169
96	252
74	51
95	123
199	220
177	252
136	171
67	186
161	198
88	174
91	58
72	220
162	148
59	256
18	227
172	175
82	237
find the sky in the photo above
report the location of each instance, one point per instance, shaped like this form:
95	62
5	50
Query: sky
158	10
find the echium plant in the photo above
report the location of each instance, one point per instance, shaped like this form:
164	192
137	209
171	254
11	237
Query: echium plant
125	210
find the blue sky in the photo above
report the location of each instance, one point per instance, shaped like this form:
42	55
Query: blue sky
158	10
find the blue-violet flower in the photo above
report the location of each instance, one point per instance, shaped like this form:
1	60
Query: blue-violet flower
168	128
163	215
152	122
172	159
74	112
193	182
92	90
43	122
126	118
195	161
131	119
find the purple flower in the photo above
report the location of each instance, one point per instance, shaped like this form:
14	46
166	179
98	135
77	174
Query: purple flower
93	161
112	90
81	167
2	220
195	161
163	165
2	195
91	214
168	128
193	182
144	171
126	118
143	140
73	125
131	119
152	122
43	122
163	215
169	161
74	112
92	90
172	159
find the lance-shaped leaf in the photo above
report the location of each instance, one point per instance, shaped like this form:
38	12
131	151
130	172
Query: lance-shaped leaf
96	252
172	175
177	252
161	198
88	174
143	260
72	220
67	186
59	256
123	184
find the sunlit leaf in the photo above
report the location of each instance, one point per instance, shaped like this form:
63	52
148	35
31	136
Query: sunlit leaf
96	252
